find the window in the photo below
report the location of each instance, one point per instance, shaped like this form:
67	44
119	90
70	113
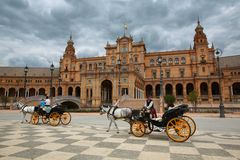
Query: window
135	59
90	66
154	74
124	91
151	62
181	72
112	60
203	69
124	60
168	73
123	49
176	61
170	61
80	67
164	60
183	60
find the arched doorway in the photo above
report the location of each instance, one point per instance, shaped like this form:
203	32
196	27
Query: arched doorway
169	89
11	92
41	91
215	88
204	89
78	92
106	91
69	105
21	92
215	91
2	91
236	88
190	88
53	91
31	92
179	90
149	90
59	91
157	90
70	91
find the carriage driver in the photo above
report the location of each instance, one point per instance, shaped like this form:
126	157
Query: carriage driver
150	106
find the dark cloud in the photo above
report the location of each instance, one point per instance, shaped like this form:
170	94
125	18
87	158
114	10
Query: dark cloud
35	32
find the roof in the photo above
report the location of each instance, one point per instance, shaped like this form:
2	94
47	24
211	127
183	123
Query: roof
35	71
230	61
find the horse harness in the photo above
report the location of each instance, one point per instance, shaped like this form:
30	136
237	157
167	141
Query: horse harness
112	114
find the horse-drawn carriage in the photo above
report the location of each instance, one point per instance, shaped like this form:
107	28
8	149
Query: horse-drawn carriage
54	115
177	126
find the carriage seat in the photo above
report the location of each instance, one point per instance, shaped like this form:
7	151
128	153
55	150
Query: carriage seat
47	108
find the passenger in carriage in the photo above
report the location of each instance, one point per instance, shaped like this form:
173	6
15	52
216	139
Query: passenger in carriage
42	103
47	101
150	106
47	106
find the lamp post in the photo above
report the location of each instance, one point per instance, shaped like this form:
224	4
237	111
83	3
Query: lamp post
218	53
25	79
159	60
119	65
59	81
51	69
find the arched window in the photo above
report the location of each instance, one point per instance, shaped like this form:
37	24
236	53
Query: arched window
90	66
183	60
152	62
176	60
170	61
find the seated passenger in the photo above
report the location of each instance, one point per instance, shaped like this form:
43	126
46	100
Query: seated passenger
47	107
42	103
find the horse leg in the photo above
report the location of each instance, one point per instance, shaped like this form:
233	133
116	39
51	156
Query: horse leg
109	125
115	125
130	129
23	116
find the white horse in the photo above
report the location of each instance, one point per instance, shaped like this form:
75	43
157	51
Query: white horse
114	113
24	109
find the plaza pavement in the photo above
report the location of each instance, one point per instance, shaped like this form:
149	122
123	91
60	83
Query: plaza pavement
91	141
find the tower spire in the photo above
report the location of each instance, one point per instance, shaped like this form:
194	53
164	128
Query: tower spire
125	29
71	36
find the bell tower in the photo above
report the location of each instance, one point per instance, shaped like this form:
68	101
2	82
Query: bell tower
67	63
200	38
70	50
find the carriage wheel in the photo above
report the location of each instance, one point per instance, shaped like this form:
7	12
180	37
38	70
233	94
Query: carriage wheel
66	118
44	119
148	127
178	130
138	128
54	118
35	118
191	123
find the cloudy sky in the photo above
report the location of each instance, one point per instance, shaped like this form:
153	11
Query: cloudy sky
35	32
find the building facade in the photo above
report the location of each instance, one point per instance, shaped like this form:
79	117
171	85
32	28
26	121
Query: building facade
128	69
